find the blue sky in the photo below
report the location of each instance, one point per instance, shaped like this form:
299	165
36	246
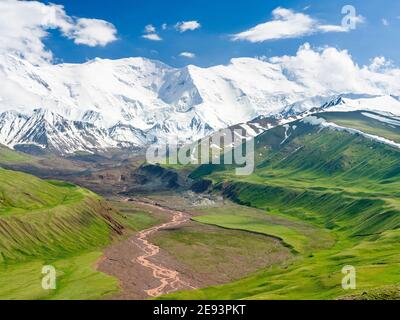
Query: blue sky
212	43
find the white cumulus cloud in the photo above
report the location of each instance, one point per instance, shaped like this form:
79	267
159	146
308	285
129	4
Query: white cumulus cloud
331	28
152	37
92	32
329	69
187	26
287	23
380	64
149	28
186	54
151	33
25	24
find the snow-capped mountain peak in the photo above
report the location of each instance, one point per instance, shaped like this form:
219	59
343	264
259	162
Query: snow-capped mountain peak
103	104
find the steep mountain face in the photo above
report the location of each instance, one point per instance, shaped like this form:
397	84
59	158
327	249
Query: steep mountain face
129	103
324	164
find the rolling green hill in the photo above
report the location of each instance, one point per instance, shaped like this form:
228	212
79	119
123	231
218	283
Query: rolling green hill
52	223
341	182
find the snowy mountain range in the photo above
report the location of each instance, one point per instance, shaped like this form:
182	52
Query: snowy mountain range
130	103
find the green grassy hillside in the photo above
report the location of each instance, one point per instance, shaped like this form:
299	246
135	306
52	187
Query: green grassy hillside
344	186
367	122
52	223
8	156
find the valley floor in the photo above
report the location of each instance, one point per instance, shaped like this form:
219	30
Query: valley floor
184	246
182	254
143	271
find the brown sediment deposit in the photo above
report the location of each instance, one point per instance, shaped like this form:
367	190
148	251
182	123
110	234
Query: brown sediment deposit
135	261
